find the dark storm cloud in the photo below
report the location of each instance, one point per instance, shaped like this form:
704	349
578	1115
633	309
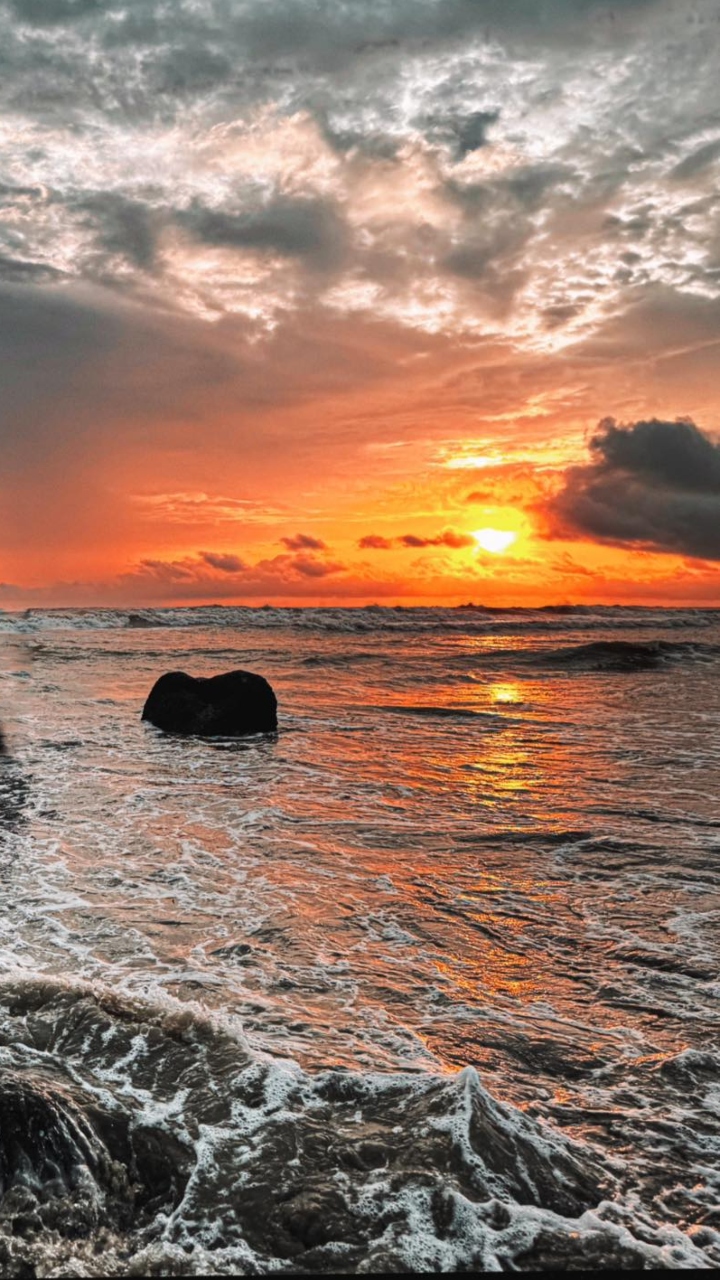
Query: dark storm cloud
304	228
650	484
304	542
676	454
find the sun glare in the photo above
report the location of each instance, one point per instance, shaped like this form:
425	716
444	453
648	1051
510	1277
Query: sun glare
496	540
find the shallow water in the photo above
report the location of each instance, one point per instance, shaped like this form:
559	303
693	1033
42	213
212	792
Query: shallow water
481	843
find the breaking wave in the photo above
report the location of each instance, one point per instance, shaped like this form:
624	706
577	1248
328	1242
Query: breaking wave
145	1139
464	620
625	655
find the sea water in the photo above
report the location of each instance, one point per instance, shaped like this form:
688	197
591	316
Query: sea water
428	980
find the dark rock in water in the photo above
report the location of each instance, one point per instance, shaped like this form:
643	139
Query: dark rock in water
228	705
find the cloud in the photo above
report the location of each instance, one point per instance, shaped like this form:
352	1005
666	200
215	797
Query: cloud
53	12
649	484
228	159
280	574
224	562
309	567
375	542
245	243
697	161
448	538
304	542
511	484
307	228
125	227
325	31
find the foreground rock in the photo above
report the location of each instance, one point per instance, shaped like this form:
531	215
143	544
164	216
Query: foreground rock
228	705
150	1140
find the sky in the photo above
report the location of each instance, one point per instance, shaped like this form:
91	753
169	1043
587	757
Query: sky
354	301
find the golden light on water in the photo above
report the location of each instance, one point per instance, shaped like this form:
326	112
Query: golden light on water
495	540
506	694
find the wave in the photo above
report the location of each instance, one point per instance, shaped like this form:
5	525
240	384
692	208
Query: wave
468	620
439	712
150	1139
338	659
625	655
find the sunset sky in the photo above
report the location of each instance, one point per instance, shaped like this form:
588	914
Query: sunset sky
301	298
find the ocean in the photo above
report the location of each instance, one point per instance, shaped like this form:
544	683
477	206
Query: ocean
426	981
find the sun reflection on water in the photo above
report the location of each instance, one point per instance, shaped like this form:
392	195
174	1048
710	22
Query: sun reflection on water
506	694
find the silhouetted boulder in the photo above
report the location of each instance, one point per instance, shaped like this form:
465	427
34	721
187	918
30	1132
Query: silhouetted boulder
228	705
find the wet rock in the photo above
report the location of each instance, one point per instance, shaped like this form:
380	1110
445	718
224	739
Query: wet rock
67	1166
43	1137
228	705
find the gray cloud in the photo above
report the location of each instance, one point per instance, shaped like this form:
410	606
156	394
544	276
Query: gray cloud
310	567
448	538
21	271
54	12
147	134
223	561
123	226
650	484
375	542
98	82
305	228
323	28
304	542
697	161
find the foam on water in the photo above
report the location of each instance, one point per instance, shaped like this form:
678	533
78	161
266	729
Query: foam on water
157	1138
434	970
368	620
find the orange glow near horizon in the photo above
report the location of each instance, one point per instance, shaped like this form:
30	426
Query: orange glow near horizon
321	331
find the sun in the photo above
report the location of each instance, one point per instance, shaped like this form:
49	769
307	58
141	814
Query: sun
496	540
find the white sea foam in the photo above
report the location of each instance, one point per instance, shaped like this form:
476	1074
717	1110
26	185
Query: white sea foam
384	896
